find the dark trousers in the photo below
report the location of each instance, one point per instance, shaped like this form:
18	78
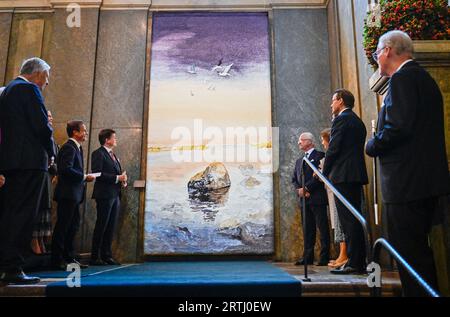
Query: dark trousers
66	228
316	215
107	212
22	194
354	233
408	227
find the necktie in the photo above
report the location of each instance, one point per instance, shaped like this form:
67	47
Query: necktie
112	156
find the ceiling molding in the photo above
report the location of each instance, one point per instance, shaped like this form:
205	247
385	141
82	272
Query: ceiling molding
171	5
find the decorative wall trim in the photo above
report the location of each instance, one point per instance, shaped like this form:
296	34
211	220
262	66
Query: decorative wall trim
25	4
170	5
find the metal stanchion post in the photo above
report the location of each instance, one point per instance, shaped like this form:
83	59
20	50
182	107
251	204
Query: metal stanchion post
305	260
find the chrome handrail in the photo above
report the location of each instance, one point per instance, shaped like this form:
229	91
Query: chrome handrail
381	242
352	209
376	291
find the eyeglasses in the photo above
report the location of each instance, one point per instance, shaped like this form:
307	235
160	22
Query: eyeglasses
376	54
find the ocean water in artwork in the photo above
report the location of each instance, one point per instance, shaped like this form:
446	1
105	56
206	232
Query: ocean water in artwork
209	172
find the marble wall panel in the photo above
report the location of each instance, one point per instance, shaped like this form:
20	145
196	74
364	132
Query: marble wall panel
348	56
302	98
26	42
120	70
119	104
71	55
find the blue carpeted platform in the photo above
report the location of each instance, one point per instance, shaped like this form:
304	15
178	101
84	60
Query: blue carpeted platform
186	279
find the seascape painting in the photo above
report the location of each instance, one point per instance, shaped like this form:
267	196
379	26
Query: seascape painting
209	172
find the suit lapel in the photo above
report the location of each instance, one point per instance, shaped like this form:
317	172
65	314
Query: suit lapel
312	155
79	154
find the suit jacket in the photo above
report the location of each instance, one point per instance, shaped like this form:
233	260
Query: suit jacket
71	184
105	186
26	139
410	141
344	160
315	187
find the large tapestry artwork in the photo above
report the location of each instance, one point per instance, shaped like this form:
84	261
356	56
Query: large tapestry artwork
209	171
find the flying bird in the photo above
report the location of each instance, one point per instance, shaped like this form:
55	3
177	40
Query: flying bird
226	71
218	68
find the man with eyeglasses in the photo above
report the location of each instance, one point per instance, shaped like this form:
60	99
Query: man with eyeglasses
410	145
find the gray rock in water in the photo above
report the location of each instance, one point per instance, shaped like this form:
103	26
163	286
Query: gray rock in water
249	233
232	232
252	233
215	176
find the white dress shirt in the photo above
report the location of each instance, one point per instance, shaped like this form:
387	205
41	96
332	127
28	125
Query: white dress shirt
403	64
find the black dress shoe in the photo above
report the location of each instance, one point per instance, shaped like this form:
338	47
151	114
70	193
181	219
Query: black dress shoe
96	262
111	261
73	261
302	262
18	278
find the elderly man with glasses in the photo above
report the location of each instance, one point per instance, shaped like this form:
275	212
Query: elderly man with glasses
410	146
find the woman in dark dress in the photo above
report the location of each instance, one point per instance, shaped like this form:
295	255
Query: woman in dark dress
43	228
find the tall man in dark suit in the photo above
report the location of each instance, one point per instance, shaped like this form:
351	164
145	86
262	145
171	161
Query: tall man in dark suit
345	167
410	144
69	194
25	146
316	202
107	194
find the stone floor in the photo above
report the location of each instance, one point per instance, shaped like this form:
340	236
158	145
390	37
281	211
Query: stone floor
324	284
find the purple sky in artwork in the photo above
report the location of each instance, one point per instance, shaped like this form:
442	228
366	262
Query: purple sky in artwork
206	38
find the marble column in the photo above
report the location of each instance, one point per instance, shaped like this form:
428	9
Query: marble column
301	103
71	54
369	110
119	104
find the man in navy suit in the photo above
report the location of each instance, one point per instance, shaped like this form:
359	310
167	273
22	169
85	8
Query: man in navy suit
26	143
107	194
346	169
410	145
316	202
69	194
